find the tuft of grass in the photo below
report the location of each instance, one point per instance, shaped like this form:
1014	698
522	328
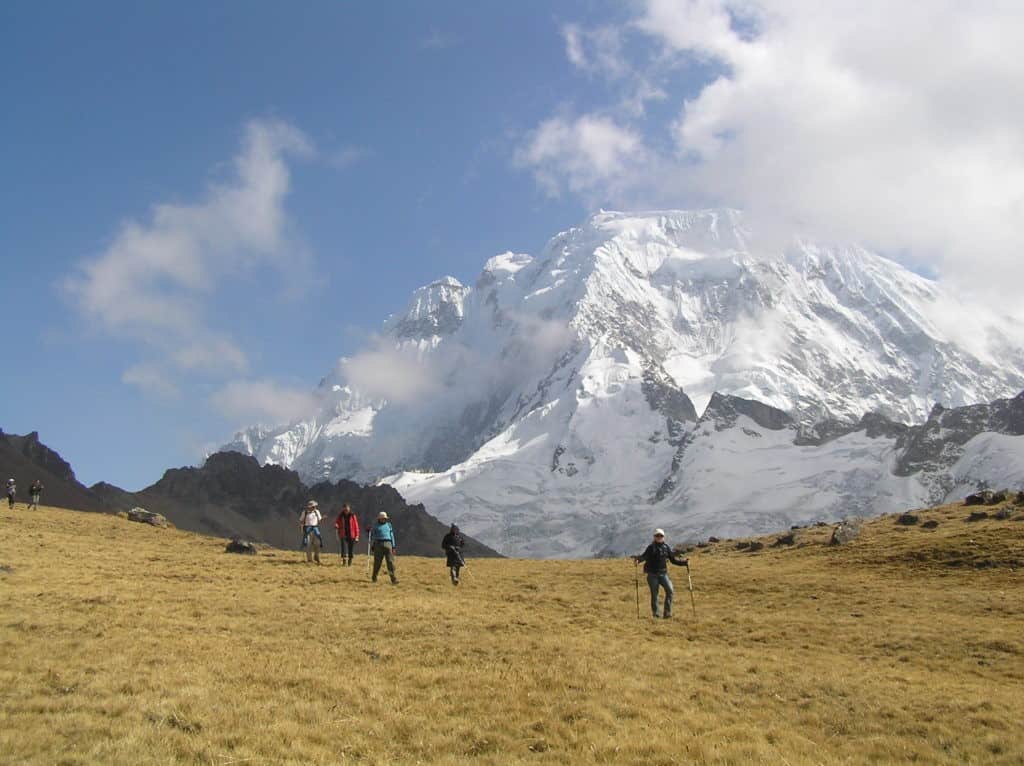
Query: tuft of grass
122	643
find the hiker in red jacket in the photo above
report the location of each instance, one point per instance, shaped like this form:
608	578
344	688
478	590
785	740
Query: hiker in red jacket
348	533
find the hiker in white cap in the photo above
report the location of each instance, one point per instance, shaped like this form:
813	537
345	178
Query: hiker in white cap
309	520
382	540
656	559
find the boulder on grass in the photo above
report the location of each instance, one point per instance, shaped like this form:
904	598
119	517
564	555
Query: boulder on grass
1003	514
977	516
907	519
844	532
143	516
755	545
245	547
930	524
1000	496
979	498
787	539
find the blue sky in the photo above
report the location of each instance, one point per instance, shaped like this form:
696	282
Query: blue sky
158	297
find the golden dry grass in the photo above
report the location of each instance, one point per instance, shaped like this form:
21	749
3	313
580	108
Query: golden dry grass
125	644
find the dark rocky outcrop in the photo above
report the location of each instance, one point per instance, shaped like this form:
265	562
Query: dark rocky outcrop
26	458
979	498
787	539
907	519
232	495
930	524
245	547
977	516
723	410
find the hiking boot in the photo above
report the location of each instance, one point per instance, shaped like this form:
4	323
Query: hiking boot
666	617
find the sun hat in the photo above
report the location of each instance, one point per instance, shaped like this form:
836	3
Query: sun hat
659	532
382	515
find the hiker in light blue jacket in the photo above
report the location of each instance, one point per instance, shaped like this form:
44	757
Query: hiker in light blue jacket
382	541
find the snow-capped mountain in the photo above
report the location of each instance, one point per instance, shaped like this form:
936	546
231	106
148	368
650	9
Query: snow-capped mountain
552	408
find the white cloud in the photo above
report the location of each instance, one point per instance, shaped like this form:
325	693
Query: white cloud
895	124
152	380
400	375
264	401
582	155
155	280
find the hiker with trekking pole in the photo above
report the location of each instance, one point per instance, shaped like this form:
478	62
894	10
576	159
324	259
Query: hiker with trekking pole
347	526
382	541
452	545
656	558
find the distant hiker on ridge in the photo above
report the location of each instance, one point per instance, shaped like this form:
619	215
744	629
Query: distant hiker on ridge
452	545
382	540
656	558
309	520
12	490
347	526
35	491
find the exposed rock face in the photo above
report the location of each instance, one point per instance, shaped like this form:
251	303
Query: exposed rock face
25	458
938	443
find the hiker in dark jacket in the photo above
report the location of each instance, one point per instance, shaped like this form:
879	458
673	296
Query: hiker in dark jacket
656	558
382	540
452	545
35	491
348	533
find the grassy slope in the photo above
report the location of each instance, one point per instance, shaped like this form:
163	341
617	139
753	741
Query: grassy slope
121	643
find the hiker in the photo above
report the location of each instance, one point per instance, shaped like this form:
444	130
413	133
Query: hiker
452	545
35	491
347	526
12	490
656	558
309	520
382	540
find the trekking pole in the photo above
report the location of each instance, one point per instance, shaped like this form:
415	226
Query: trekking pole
689	581
341	551
636	582
368	563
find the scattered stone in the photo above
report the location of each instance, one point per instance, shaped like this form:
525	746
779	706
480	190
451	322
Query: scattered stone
742	545
999	497
844	532
977	516
789	539
6	569
979	498
821	523
907	519
930	524
240	546
795	527
1003	514
756	545
703	545
147	517
714	540
1020	498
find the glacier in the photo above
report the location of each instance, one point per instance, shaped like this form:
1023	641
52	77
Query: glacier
664	368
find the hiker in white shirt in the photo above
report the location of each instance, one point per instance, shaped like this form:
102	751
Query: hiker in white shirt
309	521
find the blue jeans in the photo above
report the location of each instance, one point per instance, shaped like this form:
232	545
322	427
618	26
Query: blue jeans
305	536
655	580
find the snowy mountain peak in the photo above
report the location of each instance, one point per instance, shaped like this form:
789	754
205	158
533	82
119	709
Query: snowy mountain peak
435	310
571	381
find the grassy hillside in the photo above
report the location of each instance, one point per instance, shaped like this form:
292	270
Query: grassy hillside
126	644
